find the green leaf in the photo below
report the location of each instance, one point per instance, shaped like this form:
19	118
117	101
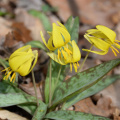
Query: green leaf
11	95
55	71
82	81
40	112
47	8
72	115
44	19
14	99
4	63
92	90
72	26
37	44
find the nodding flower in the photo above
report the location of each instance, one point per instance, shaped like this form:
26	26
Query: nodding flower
58	37
69	53
21	61
102	38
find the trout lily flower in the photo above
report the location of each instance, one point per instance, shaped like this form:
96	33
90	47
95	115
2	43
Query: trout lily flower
58	37
69	53
102	38
21	61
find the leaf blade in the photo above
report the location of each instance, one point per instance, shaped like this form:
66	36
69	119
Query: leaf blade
72	115
82	81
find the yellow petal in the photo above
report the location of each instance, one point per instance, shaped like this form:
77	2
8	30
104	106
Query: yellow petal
23	49
35	52
99	43
28	65
97	52
65	34
50	33
16	61
23	70
55	58
59	35
108	32
50	44
43	39
96	33
61	25
76	52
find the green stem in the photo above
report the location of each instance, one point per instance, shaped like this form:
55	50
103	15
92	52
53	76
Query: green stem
84	59
50	92
33	77
57	80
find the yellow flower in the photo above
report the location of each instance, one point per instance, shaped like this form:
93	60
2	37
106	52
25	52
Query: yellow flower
21	61
102	38
58	37
69	53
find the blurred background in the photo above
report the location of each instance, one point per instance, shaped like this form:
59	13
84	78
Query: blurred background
22	20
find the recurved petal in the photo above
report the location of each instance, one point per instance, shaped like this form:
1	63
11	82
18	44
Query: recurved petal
23	70
43	39
50	44
57	37
65	34
19	60
108	32
35	52
87	37
23	49
55	58
76	52
61	25
97	52
97	33
99	43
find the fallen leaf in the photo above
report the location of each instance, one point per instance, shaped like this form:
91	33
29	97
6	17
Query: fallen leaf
87	106
32	23
29	4
4	114
95	12
64	11
5	27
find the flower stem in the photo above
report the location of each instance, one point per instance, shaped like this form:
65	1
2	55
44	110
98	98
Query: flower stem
57	80
50	92
84	59
33	77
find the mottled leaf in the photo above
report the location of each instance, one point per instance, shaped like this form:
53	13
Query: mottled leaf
82	81
72	115
72	26
92	90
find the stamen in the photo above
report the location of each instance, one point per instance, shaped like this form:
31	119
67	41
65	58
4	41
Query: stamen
117	44
75	67
115	49
8	74
6	69
117	40
64	54
114	52
77	64
67	50
13	77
